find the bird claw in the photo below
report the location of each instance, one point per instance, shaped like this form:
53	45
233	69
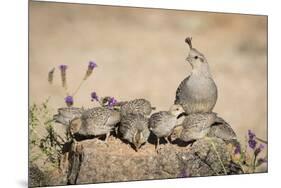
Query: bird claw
98	141
159	148
107	145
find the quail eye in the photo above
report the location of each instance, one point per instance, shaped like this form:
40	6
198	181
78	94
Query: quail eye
195	57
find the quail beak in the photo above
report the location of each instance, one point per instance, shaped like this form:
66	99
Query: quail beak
55	117
136	148
71	133
188	59
182	114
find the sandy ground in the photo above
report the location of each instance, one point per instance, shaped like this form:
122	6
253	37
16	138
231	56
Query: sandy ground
141	54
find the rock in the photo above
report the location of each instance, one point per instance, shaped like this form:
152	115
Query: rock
37	178
91	161
119	162
207	157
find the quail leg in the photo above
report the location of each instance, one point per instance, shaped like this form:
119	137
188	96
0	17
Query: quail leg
159	147
157	143
167	140
116	131
106	138
170	139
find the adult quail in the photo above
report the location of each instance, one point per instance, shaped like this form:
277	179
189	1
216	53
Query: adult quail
95	122
65	115
197	92
162	123
199	125
134	129
136	106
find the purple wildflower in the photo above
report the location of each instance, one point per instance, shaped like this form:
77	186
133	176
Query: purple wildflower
112	101
63	67
237	150
251	135
259	149
90	69
94	96
92	65
252	144
69	101
184	173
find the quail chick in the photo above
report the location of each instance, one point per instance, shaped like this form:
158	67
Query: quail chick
221	129
162	123
65	115
136	106
196	126
198	92
134	128
95	122
199	125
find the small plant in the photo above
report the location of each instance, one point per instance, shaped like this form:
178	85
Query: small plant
249	156
51	145
48	141
38	116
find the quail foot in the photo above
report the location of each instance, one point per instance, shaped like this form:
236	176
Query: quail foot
95	122
134	129
198	92
162	123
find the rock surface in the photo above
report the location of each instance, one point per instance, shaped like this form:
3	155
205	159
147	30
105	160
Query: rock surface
119	162
94	162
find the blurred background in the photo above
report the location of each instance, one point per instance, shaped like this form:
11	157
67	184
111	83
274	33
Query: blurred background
141	54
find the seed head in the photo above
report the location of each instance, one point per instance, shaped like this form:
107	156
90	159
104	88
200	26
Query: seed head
63	74
261	161
51	75
91	66
259	149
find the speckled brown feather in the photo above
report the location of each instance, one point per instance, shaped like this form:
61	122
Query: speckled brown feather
136	106
132	123
98	121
